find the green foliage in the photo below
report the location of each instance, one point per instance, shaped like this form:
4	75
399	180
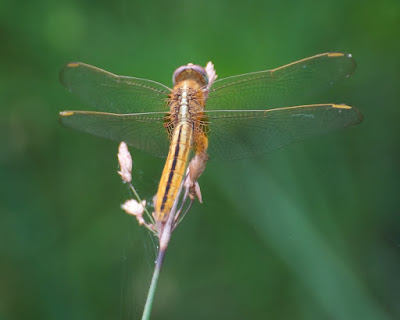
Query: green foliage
308	232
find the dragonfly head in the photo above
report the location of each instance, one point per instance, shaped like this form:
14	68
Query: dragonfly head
190	71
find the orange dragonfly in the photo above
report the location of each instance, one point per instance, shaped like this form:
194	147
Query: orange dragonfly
233	118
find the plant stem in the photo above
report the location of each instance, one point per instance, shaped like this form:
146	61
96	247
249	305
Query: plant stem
164	234
153	285
140	200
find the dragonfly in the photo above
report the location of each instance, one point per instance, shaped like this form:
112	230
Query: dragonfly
236	117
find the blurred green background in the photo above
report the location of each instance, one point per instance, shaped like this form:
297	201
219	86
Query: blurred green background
308	232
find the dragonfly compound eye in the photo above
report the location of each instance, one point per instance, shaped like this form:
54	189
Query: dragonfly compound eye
190	71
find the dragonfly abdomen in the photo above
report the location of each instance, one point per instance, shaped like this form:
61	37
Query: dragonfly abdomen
174	170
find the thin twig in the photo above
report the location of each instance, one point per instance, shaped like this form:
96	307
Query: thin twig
181	217
140	201
164	236
153	286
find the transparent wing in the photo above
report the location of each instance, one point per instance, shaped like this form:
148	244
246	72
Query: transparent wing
244	134
292	84
144	131
111	93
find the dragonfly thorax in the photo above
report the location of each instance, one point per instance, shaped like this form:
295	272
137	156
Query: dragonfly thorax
187	101
183	108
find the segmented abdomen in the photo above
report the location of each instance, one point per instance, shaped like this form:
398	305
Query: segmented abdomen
174	170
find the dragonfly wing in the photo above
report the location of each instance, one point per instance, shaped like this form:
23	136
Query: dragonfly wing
244	134
143	131
292	84
108	92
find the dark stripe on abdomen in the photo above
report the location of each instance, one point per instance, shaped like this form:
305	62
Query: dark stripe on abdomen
172	171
